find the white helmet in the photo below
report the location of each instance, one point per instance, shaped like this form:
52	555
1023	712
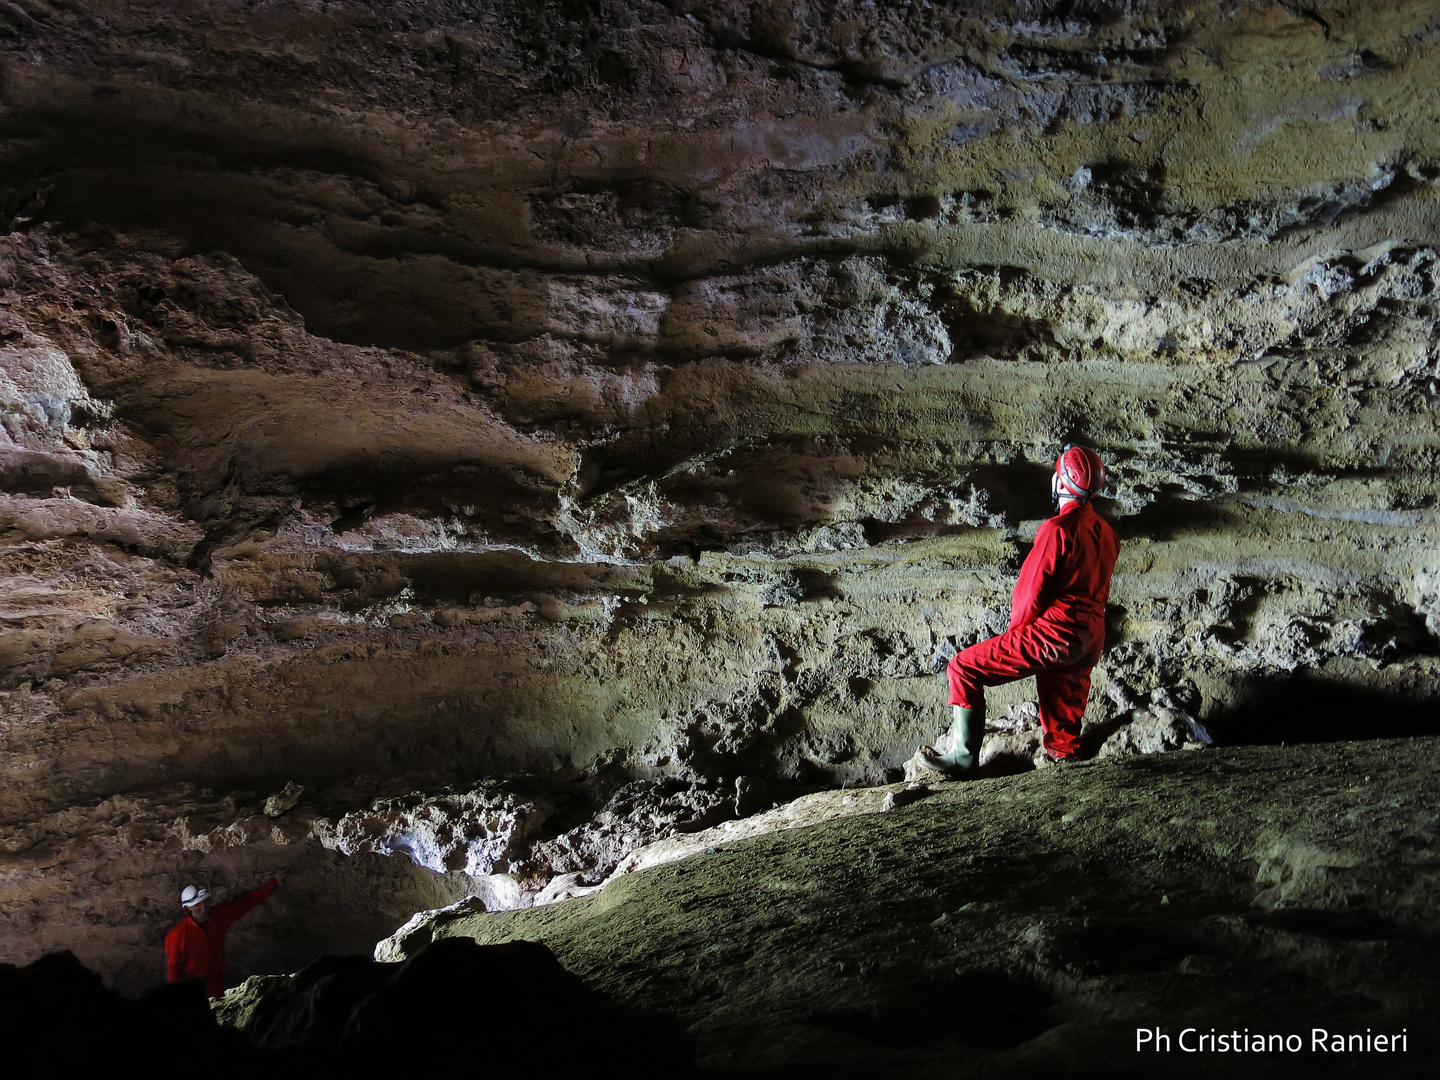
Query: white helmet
193	894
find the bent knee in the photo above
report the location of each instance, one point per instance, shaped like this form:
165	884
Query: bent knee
961	666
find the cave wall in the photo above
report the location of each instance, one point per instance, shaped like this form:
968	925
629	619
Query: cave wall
400	395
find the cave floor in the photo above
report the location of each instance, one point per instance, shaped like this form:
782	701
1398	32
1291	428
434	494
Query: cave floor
1032	924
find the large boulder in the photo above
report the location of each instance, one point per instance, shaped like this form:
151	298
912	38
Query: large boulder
57	1018
506	1007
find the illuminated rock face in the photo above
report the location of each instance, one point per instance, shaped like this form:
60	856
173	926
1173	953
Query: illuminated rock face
395	397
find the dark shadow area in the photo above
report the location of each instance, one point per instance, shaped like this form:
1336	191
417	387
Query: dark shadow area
978	330
377	485
452	1002
153	179
1007	765
602	216
1114	946
975	1008
816	584
1169	517
1356	925
1251	461
1096	733
58	1019
922	207
458	575
913	528
1311	708
1020	490
30	472
1117	619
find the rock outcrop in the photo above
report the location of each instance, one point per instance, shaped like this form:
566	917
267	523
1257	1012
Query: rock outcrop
1036	924
447	1008
456	1005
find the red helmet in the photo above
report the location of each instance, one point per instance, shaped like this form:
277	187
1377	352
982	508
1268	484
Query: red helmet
1079	473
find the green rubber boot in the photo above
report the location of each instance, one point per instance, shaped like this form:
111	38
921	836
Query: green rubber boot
967	732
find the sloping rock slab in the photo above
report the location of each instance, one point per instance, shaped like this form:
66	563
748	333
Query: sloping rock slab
1037	924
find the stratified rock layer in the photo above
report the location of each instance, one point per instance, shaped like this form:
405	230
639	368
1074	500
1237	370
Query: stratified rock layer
396	397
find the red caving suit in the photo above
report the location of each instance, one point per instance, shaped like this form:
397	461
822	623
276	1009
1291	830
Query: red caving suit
193	951
1057	626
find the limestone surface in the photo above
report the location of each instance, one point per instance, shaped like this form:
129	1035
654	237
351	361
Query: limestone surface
399	401
1033	924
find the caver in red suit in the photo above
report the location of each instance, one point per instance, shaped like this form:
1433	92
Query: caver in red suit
1057	622
195	946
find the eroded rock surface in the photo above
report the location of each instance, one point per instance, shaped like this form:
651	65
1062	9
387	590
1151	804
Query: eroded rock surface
396	398
1030	924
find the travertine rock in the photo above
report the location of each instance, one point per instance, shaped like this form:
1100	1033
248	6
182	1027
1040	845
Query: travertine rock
478	833
1156	733
286	799
398	398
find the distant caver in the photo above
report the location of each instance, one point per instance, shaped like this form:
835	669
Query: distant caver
195	946
1057	624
